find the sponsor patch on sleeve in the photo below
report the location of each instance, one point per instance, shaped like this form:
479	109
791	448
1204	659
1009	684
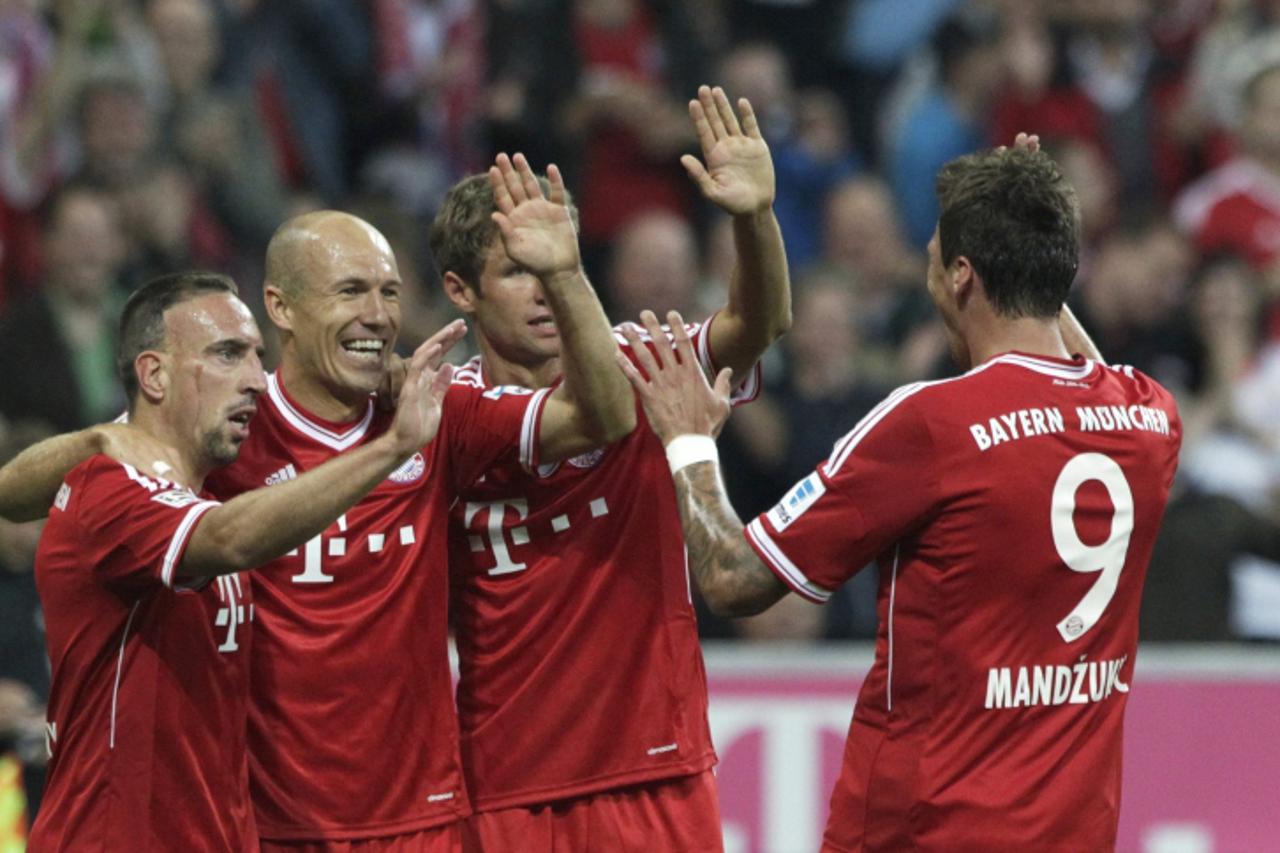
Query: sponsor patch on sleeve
804	495
176	498
64	495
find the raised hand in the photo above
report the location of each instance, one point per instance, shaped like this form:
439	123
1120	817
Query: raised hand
738	170
673	389
421	400
537	231
398	368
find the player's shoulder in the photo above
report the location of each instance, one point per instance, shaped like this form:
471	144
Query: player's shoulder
691	329
468	375
102	484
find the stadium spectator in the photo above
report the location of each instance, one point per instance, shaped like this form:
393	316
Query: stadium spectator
212	129
552	564
654	260
167	221
862	238
1132	299
57	347
944	120
965	615
1236	207
808	136
139	632
621	68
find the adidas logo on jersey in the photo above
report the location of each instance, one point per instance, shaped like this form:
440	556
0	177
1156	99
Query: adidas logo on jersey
288	472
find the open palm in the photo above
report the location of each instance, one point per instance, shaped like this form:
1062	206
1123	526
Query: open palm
537	232
737	174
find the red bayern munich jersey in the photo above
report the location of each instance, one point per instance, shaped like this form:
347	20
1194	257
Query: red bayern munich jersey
1013	511
146	717
352	731
577	640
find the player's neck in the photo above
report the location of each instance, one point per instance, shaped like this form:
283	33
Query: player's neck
1028	335
504	371
316	398
168	455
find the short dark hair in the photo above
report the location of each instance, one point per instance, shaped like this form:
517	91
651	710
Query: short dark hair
1015	217
142	325
463	227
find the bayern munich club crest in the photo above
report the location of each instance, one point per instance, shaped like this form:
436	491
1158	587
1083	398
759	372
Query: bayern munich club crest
410	471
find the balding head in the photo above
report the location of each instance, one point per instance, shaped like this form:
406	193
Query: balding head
318	247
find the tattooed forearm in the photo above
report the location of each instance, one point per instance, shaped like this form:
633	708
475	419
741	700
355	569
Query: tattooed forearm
731	577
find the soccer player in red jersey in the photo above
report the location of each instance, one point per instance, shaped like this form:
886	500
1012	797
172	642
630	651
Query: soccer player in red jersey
582	699
149	618
1013	511
352	735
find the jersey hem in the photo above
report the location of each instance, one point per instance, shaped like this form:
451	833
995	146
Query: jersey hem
360	833
691	767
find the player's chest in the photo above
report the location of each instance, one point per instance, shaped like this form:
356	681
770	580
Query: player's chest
575	514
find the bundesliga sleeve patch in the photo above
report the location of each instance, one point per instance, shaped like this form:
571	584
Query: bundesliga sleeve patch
804	495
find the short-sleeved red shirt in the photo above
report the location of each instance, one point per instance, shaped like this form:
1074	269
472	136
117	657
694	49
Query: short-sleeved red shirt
146	718
352	729
1013	511
577	640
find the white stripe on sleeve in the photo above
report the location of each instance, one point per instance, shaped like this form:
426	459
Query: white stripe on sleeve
180	537
782	566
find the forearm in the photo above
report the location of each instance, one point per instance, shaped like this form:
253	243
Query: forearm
263	524
758	310
732	579
1076	338
30	481
603	403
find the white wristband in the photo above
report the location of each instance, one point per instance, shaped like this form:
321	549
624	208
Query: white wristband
688	448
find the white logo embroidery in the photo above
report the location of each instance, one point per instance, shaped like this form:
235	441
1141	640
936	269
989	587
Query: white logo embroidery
410	471
288	472
64	496
498	390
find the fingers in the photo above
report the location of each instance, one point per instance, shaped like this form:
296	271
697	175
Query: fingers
633	375
510	180
659	337
750	124
502	199
528	181
684	346
441	380
706	139
725	109
559	195
642	353
697	172
724	383
445	339
712	112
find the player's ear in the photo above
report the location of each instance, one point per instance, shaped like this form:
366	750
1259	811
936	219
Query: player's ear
278	308
963	279
152	370
459	292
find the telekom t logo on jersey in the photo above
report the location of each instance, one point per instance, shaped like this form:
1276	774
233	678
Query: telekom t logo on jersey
318	547
492	538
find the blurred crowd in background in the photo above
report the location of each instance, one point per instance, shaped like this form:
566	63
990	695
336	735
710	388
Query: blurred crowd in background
139	137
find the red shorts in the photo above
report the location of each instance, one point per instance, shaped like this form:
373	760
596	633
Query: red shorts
668	816
437	839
